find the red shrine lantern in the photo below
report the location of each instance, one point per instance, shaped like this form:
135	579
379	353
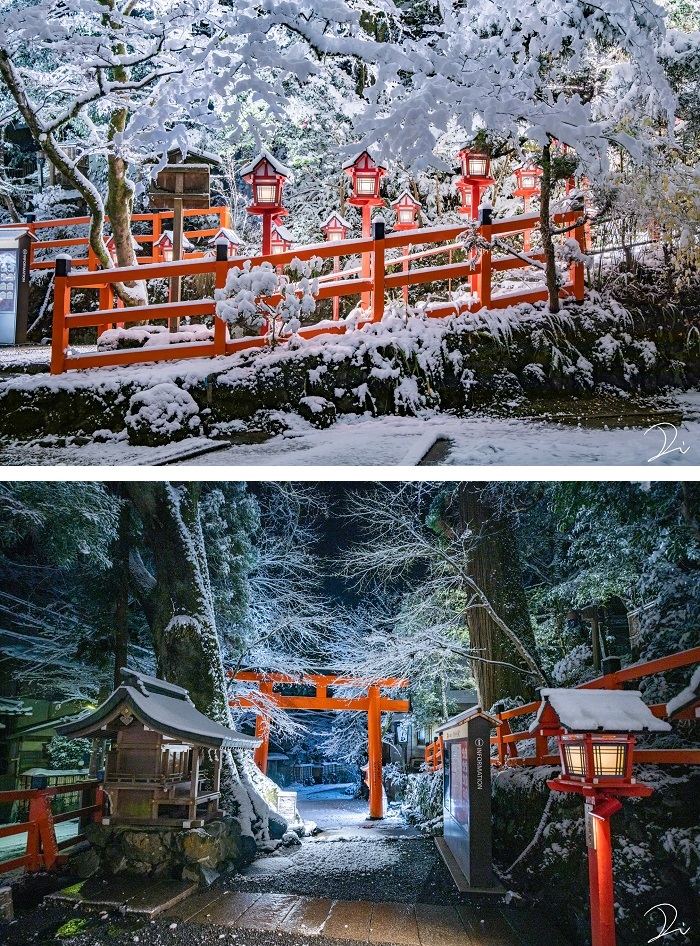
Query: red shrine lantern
366	175
528	179
595	734
406	208
476	167
335	228
230	238
164	245
267	176
280	239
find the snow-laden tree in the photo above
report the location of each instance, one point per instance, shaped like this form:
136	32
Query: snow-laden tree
542	71
464	598
124	80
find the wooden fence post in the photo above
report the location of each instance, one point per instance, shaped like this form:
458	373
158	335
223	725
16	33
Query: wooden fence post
220	283
61	308
225	217
484	281
577	275
157	231
378	270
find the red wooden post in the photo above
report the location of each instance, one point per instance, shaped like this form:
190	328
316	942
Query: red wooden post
224	217
157	229
262	731
366	297
577	275
43	834
220	282
92	259
600	872
374	770
484	279
266	234
61	308
378	271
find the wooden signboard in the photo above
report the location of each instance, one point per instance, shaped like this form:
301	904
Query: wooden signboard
186	182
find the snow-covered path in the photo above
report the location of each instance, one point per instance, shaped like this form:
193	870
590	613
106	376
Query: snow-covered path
340	815
403	441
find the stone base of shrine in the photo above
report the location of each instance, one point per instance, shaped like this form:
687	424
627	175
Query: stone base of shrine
194	854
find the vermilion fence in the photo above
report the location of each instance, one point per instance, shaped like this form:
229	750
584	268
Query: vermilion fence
506	741
371	282
43	850
38	260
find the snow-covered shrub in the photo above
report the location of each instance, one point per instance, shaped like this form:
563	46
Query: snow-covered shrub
244	306
161	414
573	669
422	804
66	753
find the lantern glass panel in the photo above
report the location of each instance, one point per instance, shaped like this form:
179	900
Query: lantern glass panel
529	180
609	759
467	198
168	253
335	236
277	248
405	215
477	166
575	758
364	185
266	193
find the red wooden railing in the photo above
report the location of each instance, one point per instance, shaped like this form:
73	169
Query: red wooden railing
42	848
90	261
371	288
506	741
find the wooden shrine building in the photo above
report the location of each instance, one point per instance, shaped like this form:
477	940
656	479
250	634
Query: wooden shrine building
163	762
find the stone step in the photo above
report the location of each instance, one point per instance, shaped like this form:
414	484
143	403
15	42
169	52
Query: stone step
307	917
267	913
441	926
394	923
131	894
349	919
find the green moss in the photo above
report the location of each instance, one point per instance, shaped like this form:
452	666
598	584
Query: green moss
74	890
71	928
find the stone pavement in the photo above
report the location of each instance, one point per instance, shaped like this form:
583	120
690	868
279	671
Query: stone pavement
360	921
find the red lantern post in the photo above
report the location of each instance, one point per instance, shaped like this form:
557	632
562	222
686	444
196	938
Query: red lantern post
528	179
267	176
336	230
366	175
476	168
594	731
406	207
476	177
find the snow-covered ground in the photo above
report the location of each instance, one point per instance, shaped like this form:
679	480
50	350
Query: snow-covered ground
338	815
404	441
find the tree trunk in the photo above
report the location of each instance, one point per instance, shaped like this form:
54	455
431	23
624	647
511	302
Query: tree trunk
121	593
86	189
181	614
546	229
494	565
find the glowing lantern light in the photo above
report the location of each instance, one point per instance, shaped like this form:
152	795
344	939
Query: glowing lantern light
266	176
476	167
366	175
406	208
230	238
595	734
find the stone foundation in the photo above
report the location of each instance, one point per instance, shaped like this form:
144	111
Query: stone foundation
198	854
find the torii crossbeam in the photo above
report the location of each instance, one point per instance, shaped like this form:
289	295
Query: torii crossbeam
374	704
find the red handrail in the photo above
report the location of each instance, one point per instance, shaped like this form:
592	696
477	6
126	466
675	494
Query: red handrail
506	742
42	848
381	279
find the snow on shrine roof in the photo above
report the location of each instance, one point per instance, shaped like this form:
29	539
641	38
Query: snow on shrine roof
456	721
600	711
283	232
405	193
687	697
335	216
168	235
277	165
352	161
161	706
228	234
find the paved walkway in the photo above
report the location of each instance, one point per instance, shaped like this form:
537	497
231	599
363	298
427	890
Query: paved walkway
360	921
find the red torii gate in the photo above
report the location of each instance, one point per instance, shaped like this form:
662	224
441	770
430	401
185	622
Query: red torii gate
374	704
